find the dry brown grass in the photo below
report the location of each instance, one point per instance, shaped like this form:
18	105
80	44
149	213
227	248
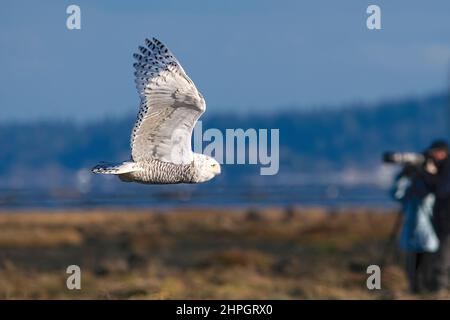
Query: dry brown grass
197	254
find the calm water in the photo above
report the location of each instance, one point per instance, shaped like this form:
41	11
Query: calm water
172	196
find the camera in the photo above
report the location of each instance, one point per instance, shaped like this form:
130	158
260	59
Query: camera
404	158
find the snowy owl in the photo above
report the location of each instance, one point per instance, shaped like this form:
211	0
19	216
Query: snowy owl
161	138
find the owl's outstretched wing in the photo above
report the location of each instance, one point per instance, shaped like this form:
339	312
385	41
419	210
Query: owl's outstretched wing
170	107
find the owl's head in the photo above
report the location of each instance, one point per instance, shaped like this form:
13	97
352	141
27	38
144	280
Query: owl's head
206	167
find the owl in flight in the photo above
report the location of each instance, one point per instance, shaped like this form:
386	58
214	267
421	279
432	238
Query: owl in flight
161	138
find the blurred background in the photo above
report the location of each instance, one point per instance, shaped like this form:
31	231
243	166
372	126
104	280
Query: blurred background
339	93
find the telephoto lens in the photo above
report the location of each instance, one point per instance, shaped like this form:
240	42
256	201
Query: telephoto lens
405	158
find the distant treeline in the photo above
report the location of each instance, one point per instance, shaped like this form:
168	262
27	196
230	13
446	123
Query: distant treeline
309	140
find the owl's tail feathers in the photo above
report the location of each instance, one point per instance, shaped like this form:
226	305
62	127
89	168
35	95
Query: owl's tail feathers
111	168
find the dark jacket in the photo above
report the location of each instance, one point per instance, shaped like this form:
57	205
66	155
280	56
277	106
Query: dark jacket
439	184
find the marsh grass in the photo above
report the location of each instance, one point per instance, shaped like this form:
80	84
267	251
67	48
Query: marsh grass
305	253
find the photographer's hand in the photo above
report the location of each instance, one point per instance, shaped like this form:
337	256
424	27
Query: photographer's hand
430	167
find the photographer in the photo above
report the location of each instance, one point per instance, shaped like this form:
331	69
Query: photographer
437	178
418	237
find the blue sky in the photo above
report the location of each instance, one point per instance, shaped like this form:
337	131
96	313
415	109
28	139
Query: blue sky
253	55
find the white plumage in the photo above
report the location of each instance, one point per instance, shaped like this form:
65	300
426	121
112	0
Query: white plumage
161	138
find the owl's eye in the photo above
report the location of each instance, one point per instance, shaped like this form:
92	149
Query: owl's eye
213	165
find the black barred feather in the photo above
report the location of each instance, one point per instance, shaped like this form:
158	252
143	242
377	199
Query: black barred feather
152	60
